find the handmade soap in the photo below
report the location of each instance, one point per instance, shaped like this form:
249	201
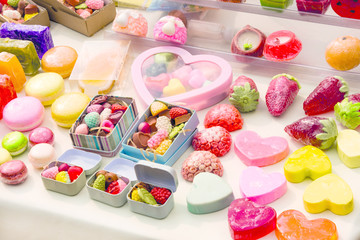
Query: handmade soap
249	220
25	52
256	151
276	3
59	59
305	162
170	28
7	92
261	187
38	34
130	22
209	193
292	224
10	65
313	6
328	192
348	147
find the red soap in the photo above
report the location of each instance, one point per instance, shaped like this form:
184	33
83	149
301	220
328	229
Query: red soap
282	46
13	172
7	92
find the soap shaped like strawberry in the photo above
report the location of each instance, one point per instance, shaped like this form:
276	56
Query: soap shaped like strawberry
346	8
330	91
281	93
244	94
316	131
348	111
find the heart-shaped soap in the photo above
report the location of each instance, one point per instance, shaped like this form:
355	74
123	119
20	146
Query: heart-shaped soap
175	87
308	161
328	192
197	79
292	224
348	142
209	193
261	187
248	220
256	151
213	69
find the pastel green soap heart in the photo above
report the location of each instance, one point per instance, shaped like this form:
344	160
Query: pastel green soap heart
209	193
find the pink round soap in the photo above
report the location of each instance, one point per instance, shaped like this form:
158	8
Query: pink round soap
13	172
23	113
41	135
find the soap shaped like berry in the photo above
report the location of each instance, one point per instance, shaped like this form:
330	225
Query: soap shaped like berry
224	115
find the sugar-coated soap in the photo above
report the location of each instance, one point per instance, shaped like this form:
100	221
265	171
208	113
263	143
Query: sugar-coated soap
10	65
7	92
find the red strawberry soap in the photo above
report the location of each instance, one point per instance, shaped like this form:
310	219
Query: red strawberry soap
224	115
346	8
244	94
316	131
330	91
348	111
281	93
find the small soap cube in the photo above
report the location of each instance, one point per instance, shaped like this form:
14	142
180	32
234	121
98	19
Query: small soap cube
39	35
7	92
10	65
25	52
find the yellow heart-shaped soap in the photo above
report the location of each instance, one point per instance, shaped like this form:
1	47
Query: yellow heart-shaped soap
329	192
308	161
348	142
175	87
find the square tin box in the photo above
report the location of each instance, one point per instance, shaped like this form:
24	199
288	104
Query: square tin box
156	175
110	144
89	162
180	144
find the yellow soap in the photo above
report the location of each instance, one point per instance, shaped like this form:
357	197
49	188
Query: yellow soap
4	156
328	192
175	87
67	108
308	161
46	87
348	142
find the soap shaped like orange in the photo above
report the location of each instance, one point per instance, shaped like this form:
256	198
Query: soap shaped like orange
11	66
59	59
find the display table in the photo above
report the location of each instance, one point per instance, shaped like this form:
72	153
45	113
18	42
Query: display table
29	211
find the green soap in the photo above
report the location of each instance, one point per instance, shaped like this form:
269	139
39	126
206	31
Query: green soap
81	6
15	143
13	3
25	51
100	182
276	3
146	196
164	57
175	131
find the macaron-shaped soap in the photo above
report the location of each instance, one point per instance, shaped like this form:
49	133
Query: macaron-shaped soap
59	59
41	155
41	135
348	147
67	108
209	193
13	172
328	192
4	155
15	142
46	87
29	108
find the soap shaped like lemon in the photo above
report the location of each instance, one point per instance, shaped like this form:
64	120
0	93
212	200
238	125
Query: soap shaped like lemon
59	59
67	108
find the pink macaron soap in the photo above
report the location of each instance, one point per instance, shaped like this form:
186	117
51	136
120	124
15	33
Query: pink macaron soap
41	135
13	172
23	114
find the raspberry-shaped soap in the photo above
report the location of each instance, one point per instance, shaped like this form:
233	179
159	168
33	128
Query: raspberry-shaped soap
113	188
161	195
50	172
201	161
63	177
215	139
177	112
94	4
100	182
224	115
157	107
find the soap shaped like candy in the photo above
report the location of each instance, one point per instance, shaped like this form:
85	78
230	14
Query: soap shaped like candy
260	187
209	193
38	34
307	161
25	52
7	92
156	140
174	87
163	147
256	151
248	220
328	192
348	148
292	224
10	65
164	123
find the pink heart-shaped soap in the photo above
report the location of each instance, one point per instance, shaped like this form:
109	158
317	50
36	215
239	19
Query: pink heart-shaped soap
256	151
179	64
261	187
157	83
249	220
197	79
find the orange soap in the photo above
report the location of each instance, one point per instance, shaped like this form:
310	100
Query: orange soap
10	65
59	59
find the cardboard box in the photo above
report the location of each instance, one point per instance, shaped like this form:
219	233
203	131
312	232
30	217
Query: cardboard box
63	15
40	19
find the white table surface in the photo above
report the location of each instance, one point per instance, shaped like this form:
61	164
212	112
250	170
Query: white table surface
29	211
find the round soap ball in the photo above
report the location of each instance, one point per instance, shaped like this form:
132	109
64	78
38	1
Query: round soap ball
5	156
59	59
67	108
13	172
41	155
30	109
15	143
46	87
41	135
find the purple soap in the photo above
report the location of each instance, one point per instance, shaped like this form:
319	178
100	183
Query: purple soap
313	6
39	35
